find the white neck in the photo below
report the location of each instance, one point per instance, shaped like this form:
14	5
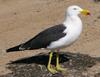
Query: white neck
75	19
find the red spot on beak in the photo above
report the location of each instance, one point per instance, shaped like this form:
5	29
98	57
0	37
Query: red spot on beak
88	13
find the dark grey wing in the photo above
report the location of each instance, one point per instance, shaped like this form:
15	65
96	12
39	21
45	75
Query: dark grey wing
44	38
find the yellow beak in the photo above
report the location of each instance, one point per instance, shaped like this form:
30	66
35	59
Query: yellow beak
85	12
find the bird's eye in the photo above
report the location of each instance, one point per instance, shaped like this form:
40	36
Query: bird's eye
75	8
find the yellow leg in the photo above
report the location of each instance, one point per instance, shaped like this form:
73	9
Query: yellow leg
58	66
52	70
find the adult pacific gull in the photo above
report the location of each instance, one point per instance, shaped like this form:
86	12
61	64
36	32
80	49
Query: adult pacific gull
56	37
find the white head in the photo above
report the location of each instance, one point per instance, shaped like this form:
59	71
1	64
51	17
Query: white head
76	10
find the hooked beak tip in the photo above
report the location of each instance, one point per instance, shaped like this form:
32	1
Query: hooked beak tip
85	12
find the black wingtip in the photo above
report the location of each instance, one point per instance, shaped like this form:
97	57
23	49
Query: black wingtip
13	49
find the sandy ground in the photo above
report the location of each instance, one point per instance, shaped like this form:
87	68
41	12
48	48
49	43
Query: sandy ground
20	20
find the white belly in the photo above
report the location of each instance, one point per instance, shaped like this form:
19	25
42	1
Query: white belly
72	35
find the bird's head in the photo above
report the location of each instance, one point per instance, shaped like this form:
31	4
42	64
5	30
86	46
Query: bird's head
76	10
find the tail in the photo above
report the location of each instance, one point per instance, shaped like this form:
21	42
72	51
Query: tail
29	45
16	48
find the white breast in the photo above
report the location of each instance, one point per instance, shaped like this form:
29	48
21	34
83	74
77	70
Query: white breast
72	31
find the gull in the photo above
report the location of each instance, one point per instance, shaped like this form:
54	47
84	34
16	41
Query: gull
56	37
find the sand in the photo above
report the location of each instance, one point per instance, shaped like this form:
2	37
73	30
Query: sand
21	20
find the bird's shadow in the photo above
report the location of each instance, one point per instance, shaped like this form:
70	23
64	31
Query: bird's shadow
42	59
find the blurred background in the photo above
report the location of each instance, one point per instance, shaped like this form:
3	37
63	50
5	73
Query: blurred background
21	20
